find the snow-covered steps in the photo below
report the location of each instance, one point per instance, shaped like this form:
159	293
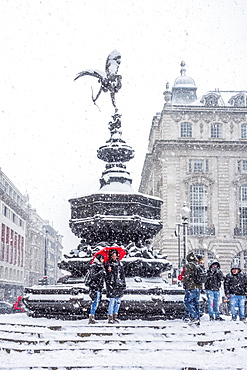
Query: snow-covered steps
155	342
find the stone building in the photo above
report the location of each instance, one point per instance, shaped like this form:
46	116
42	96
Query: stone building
197	156
29	245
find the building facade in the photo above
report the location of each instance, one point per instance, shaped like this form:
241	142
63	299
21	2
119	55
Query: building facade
29	247
43	250
13	218
197	156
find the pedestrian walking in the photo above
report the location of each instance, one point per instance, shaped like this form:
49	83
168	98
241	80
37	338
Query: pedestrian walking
212	287
115	285
193	285
235	286
96	284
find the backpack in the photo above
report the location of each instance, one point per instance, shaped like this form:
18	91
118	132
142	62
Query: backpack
200	276
88	278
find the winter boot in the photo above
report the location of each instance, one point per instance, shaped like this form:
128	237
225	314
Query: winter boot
115	319
91	319
110	319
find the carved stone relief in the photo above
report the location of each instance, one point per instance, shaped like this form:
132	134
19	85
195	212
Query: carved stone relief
238	100
210	100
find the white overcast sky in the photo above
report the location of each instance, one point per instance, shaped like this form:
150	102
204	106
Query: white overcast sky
49	128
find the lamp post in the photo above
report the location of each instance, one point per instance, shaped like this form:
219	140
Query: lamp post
178	235
185	215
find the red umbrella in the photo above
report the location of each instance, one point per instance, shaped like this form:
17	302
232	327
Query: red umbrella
105	253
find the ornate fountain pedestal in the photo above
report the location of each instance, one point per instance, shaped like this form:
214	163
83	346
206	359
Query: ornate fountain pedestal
113	215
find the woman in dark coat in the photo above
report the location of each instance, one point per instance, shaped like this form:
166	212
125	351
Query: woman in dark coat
115	285
212	287
96	285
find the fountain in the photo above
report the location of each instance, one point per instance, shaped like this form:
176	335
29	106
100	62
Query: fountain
114	215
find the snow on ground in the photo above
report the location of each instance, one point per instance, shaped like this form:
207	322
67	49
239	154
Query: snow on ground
169	344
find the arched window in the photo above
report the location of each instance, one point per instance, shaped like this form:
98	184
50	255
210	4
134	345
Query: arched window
244	131
186	129
243	209
198	209
216	130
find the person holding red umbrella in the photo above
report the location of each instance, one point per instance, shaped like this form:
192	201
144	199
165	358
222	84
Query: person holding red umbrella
115	284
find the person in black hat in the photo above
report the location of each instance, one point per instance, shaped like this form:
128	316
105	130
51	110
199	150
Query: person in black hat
115	285
96	284
236	289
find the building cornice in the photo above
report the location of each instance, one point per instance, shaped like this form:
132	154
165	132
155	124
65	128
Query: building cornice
210	145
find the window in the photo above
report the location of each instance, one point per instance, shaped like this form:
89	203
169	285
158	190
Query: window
242	166
216	130
186	129
13	217
198	209
243	209
6	211
198	165
244	131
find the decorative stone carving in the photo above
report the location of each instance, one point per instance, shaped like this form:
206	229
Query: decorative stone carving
237	118
177	117
194	117
201	127
238	100
167	95
223	117
198	178
208	117
210	100
240	180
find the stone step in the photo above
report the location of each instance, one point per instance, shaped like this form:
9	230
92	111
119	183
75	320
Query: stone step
136	351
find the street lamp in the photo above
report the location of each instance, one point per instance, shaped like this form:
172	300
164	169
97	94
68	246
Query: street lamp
185	215
178	235
46	250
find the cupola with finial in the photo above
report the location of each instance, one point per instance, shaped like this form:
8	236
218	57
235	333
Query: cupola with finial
184	89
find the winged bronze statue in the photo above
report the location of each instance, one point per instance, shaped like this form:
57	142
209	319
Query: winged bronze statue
109	80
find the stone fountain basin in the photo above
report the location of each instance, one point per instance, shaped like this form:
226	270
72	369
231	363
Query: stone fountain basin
144	298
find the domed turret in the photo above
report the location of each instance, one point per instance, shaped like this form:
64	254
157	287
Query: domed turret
184	89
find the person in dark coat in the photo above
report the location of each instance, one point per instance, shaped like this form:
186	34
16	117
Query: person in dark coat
212	287
192	289
115	285
96	285
235	286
